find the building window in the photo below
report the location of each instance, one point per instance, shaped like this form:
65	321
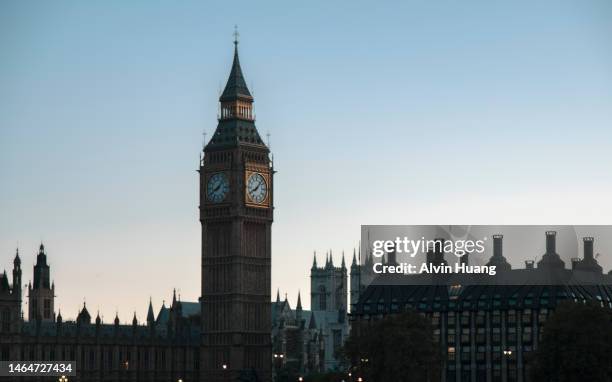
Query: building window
322	298
465	318
480	318
451	353
512	317
450	337
337	336
527	316
435	319
481	336
527	334
466	354
47	308
451	318
465	335
34	309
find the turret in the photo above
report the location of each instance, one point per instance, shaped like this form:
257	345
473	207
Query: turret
298	309
41	294
151	316
17	277
355	281
84	317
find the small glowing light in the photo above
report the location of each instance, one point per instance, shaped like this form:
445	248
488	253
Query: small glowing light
359	379
63	378
224	366
300	379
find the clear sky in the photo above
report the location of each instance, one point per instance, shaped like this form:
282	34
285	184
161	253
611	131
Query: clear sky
408	112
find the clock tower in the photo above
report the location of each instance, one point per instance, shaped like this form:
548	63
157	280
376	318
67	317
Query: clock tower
236	206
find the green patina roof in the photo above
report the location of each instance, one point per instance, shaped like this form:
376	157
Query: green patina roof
236	86
232	132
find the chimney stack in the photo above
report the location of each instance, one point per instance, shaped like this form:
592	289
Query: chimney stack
529	264
588	247
498	245
551	242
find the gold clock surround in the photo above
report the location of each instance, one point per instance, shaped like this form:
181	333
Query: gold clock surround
265	173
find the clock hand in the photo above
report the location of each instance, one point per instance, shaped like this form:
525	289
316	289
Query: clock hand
216	188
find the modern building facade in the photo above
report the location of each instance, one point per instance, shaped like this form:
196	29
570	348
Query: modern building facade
487	331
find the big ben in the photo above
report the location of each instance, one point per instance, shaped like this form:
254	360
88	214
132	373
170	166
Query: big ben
236	212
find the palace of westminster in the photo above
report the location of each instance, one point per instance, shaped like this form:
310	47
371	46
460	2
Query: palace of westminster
236	332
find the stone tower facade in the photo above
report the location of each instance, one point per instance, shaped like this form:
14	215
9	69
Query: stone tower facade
41	295
10	311
236	206
328	285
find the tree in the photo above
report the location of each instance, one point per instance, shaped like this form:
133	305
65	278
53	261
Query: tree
576	345
397	348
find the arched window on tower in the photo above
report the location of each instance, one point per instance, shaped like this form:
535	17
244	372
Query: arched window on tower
322	298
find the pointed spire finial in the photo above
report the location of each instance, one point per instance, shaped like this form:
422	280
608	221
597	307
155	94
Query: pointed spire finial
150	314
236	36
299	301
278	295
314	260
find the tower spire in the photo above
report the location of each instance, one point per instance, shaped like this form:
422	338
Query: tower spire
150	315
236	87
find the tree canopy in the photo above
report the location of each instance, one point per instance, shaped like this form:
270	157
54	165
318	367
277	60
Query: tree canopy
397	348
576	345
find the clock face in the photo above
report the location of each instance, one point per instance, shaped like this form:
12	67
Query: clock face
217	188
257	188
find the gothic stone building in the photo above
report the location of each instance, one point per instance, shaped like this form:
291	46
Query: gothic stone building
485	331
166	348
227	335
306	341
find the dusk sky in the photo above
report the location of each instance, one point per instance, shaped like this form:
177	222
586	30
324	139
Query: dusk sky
408	112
